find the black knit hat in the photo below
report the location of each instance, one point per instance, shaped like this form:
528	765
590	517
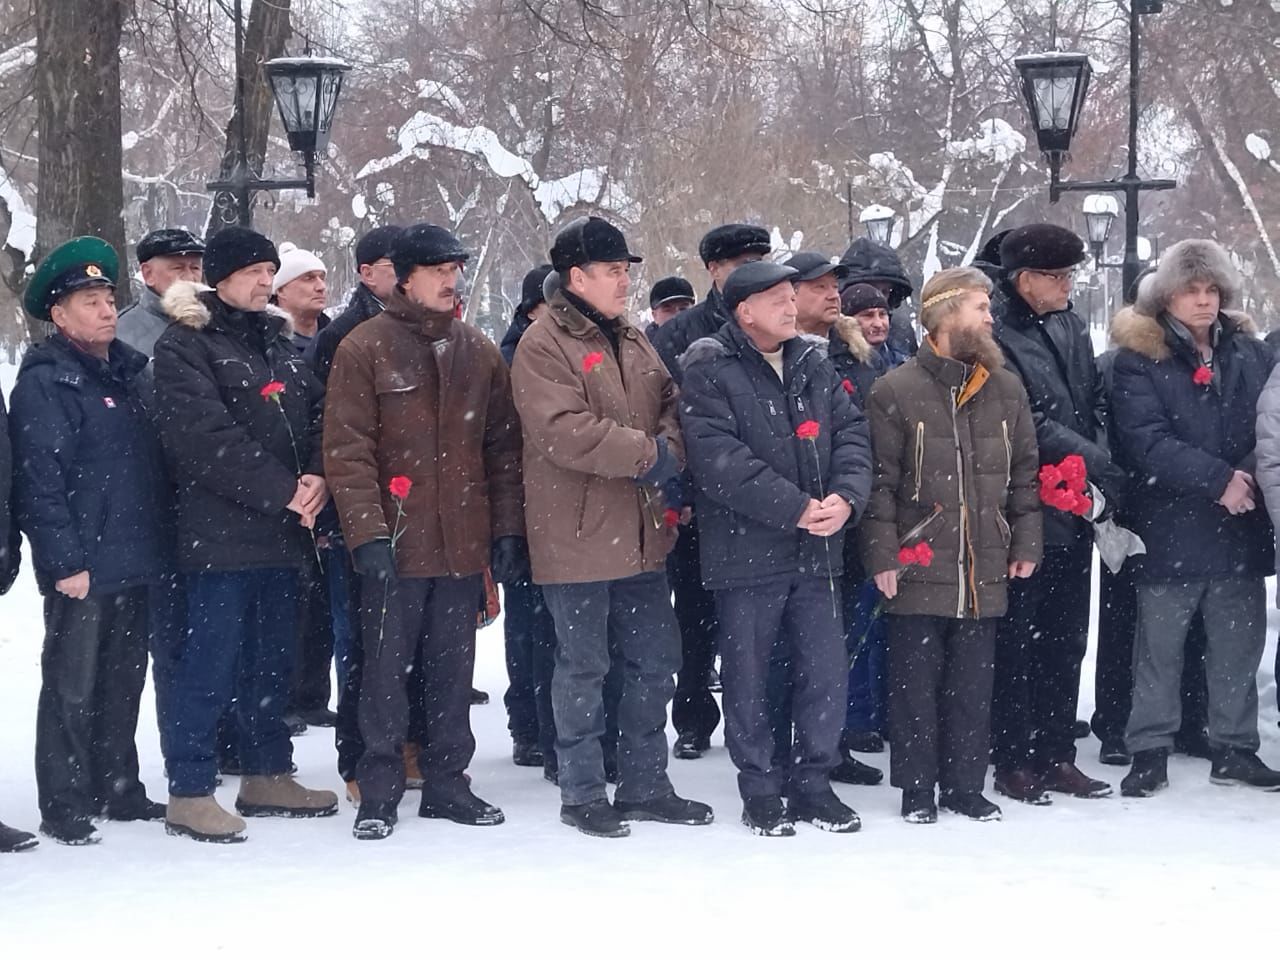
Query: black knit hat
234	248
1040	246
376	244
671	288
531	287
169	242
859	297
732	240
752	278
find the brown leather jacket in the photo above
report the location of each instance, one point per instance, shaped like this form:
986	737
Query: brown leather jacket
588	433
419	394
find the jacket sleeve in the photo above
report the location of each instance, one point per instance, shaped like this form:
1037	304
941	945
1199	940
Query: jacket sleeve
878	531
850	450
723	465
1267	449
557	417
502	453
1146	434
203	441
315	423
1026	515
351	447
44	446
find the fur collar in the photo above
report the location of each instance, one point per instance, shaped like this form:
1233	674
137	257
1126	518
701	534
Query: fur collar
1145	335
184	304
847	329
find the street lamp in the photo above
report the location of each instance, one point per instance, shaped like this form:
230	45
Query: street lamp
1054	86
878	221
306	92
1100	212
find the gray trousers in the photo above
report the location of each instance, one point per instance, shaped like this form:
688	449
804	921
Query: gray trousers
632	616
1235	621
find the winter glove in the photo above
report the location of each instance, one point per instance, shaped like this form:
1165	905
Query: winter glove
664	467
510	560
375	560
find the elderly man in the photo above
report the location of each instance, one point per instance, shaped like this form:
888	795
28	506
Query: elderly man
92	499
165	257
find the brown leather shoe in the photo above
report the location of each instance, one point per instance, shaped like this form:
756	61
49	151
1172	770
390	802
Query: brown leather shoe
1069	779
1022	785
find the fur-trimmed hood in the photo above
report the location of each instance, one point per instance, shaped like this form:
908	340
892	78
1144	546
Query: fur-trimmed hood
184	304
1143	333
848	330
1183	263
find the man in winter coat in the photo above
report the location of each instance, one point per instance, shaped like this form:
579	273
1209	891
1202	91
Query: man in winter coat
301	290
954	515
415	393
239	414
781	458
165	257
1188	378
668	297
601	438
880	266
1042	641
91	498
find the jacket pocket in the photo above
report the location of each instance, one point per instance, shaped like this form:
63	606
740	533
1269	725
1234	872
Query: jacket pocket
235	374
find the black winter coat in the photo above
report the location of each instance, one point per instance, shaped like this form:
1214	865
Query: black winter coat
870	262
319	352
89	481
1053	356
754	475
236	455
1182	441
511	339
10	538
675	336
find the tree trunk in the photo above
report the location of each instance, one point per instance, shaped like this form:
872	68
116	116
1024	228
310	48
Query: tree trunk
265	35
77	79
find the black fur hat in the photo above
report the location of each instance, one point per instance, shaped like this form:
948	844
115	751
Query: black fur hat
732	240
1040	246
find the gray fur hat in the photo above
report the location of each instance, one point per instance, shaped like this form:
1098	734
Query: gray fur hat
1184	263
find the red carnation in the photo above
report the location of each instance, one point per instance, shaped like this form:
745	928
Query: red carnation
591	361
848	387
1073	472
808	430
272	390
919	555
400	487
1202	377
671	517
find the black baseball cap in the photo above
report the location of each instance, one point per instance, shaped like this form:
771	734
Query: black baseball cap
812	265
671	288
590	240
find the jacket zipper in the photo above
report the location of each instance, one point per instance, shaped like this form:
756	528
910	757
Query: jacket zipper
964	519
1008	454
919	458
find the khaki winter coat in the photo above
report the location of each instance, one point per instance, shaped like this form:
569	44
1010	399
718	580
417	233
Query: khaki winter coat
588	433
425	396
944	435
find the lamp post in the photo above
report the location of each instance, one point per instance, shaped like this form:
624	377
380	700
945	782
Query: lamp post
1054	86
878	222
306	92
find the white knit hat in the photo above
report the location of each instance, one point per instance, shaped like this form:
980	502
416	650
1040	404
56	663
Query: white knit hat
293	264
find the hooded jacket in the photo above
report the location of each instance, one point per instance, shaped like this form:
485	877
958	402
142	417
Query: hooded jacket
871	262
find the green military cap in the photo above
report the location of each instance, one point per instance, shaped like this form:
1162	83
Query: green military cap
78	263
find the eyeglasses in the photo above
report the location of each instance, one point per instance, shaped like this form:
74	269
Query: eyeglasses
1062	276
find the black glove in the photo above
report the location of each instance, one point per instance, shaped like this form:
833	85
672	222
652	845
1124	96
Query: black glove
663	469
509	561
375	560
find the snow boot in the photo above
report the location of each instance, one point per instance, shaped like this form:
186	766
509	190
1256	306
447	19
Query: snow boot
825	811
1150	773
1114	753
861	741
374	821
690	746
1234	767
279	795
453	800
668	809
595	819
526	754
135	810
918	806
972	805
12	840
201	818
852	770
1022	785
767	817
73	832
1069	779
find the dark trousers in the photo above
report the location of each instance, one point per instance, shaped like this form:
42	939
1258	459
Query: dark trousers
940	702
629	620
530	635
752	619
866	638
93	669
166	633
1039	647
694	710
430	629
1113	676
238	656
313	656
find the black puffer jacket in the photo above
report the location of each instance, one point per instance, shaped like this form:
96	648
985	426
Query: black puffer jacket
870	262
754	476
319	352
1053	356
235	454
89	481
1182	441
675	336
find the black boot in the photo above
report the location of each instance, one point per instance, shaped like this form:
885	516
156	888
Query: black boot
825	811
526	754
767	817
478	697
861	741
75	832
595	819
918	806
1150	773
13	840
851	770
551	772
453	800
374	821
690	746
297	726
972	805
1239	766
668	809
1081	729
132	810
1114	753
